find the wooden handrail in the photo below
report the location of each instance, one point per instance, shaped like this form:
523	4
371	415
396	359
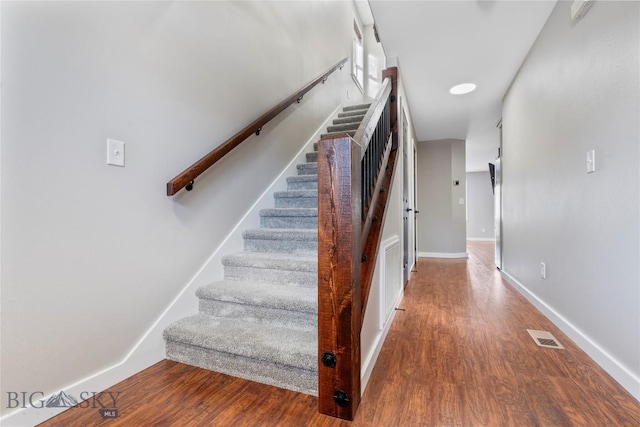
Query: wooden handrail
348	243
187	176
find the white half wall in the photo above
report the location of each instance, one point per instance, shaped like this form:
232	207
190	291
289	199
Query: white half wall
578	91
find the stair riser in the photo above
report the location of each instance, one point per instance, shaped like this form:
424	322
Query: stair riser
296	202
300	380
304	185
303	222
302	182
282	277
307	169
294	247
250	313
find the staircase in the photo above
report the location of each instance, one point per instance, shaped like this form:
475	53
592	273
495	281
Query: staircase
260	322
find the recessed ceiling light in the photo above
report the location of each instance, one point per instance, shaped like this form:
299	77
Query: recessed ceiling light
463	88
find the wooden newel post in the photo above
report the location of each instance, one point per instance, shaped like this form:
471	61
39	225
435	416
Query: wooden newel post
339	290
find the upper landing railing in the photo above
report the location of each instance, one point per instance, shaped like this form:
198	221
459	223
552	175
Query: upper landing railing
186	178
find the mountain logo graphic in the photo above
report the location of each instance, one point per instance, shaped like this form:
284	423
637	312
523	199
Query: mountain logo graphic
61	400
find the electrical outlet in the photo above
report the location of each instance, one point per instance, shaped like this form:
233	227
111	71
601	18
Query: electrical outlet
543	270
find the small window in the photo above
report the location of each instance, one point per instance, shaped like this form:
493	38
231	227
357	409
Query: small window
373	84
357	69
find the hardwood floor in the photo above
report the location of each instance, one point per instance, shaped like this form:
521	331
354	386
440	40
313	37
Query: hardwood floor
458	355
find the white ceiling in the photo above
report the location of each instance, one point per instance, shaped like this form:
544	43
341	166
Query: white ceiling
439	44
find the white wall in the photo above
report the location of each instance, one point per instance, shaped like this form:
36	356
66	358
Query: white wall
442	219
480	218
576	91
92	254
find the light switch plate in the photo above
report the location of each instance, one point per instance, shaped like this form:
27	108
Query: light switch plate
591	161
461	200
115	152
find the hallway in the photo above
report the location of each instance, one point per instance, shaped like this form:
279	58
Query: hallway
457	354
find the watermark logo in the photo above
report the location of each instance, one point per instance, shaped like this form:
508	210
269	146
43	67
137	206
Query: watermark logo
105	402
61	400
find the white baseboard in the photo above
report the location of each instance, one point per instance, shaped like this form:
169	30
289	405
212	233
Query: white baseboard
150	349
443	255
619	372
481	239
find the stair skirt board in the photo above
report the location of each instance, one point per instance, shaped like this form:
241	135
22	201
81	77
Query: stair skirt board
260	322
296	379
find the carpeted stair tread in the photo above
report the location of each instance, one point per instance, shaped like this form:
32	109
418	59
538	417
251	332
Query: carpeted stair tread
279	261
356	107
352	113
348	119
273	296
267	343
346	127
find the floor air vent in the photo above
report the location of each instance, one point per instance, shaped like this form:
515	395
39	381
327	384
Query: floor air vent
544	339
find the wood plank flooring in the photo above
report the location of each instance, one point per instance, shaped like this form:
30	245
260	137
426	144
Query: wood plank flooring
458	355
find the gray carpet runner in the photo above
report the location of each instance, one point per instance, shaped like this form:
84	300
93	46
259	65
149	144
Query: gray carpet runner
260	322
